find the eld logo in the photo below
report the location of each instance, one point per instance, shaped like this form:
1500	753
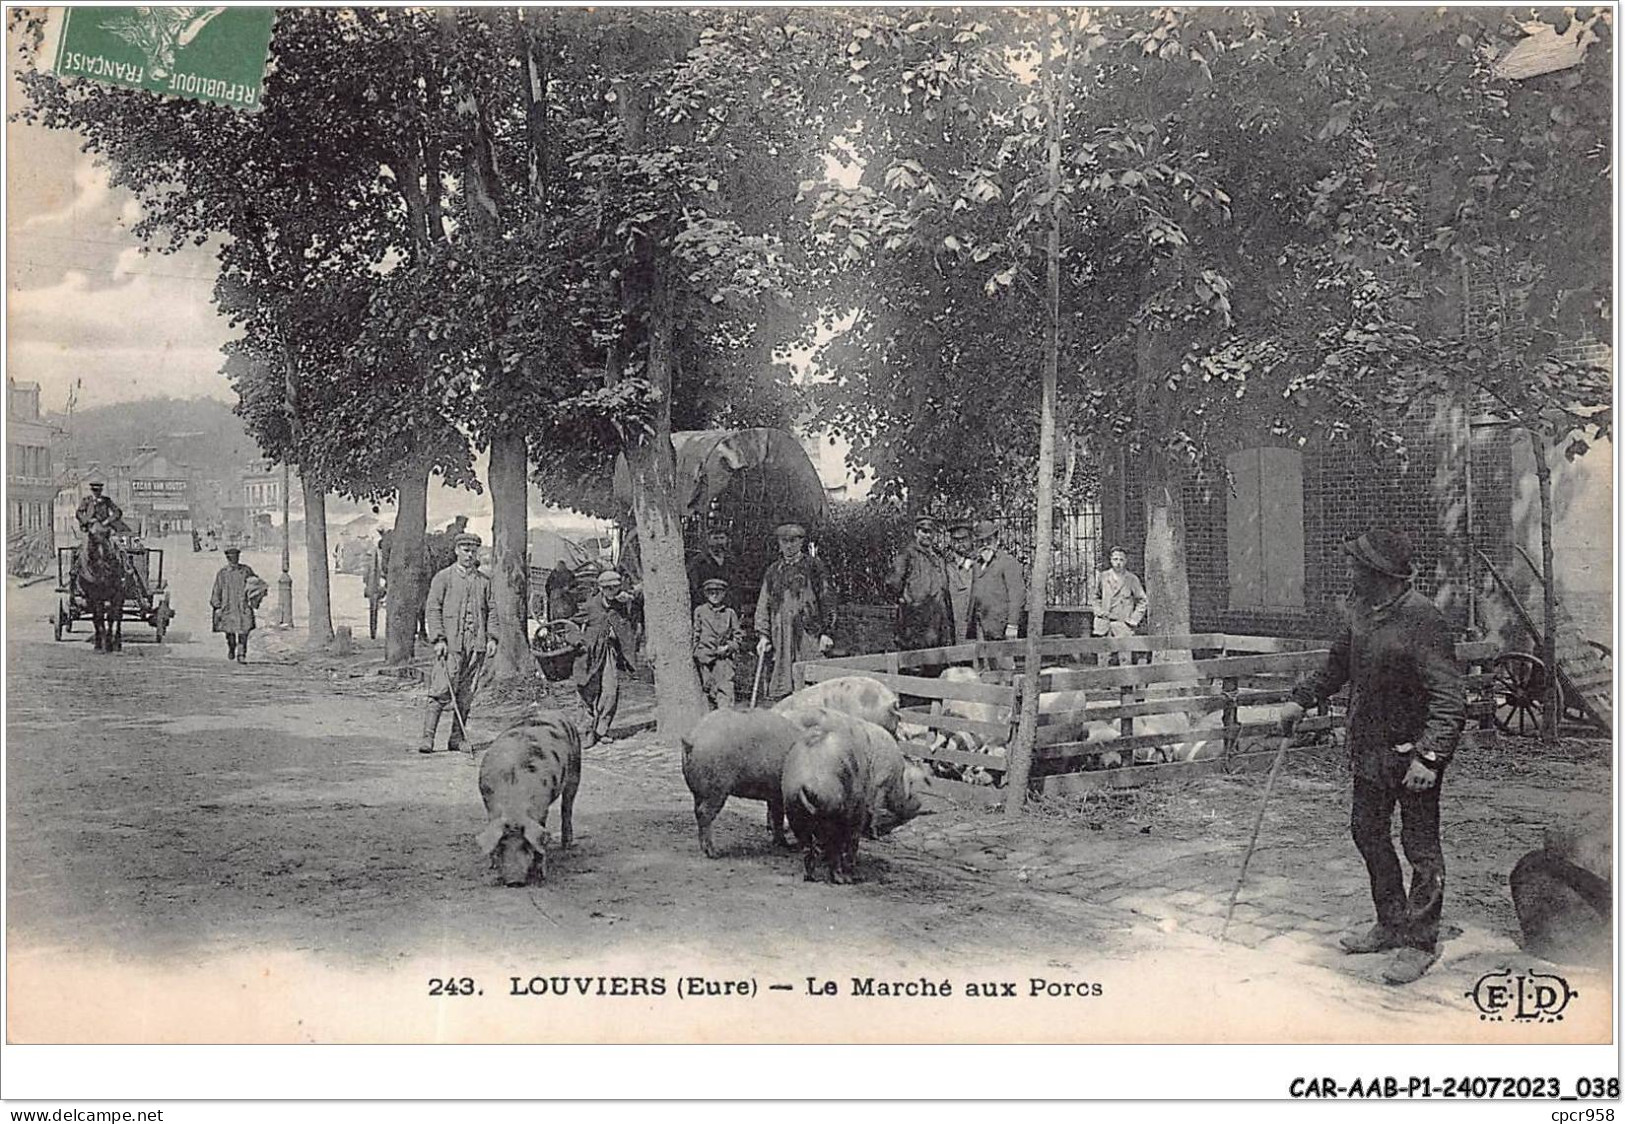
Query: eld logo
1524	997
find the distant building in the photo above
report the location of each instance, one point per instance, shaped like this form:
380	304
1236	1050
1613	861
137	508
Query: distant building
31	483
260	486
160	494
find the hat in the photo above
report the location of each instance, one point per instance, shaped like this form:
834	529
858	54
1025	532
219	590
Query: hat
608	578
925	523
1387	552
230	550
790	530
985	529
466	537
714	583
959	528
96	482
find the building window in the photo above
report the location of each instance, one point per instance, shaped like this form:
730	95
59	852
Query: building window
1264	525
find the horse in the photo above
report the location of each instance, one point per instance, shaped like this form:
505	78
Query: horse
101	580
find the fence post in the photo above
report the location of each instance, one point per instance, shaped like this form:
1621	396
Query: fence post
1232	723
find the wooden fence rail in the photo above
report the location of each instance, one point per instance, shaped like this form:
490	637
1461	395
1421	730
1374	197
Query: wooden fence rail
1163	717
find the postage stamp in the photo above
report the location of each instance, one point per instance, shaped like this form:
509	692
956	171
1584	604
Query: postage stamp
208	54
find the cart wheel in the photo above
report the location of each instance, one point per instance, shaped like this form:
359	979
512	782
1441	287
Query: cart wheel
1519	689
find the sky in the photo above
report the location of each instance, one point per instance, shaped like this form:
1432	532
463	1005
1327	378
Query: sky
82	301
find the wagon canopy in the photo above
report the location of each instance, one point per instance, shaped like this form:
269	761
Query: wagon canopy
548	547
708	460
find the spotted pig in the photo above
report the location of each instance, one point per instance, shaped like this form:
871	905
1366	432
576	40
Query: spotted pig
525	769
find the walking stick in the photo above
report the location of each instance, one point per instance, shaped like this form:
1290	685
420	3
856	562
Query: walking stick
1258	822
756	684
456	713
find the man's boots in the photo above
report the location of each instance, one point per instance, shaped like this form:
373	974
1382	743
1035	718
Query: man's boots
431	723
231	645
242	647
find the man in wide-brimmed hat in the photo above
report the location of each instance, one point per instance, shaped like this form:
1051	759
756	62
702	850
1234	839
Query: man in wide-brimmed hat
919	581
997	590
795	610
608	648
1406	711
458	617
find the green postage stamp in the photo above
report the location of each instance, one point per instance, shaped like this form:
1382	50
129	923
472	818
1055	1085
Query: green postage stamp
209	54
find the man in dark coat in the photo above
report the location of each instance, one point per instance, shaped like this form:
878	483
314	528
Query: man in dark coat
237	592
561	592
97	508
1406	711
458	615
795	610
961	571
712	562
997	590
919	581
607	648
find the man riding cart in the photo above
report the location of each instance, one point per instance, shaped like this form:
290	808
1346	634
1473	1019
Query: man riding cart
98	508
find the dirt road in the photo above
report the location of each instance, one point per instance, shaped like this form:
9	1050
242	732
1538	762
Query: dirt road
207	852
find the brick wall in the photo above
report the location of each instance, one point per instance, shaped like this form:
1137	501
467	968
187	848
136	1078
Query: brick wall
1348	490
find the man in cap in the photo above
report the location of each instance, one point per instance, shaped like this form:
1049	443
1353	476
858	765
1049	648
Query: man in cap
458	617
97	508
1405	714
919	581
607	647
997	589
711	562
237	592
716	639
961	567
795	610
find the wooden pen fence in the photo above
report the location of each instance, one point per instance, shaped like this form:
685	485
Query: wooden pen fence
1210	704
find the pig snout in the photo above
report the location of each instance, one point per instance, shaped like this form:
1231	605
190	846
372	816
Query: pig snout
518	852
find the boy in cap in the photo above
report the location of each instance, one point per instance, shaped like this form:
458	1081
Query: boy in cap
237	591
608	646
716	639
1406	711
457	616
795	611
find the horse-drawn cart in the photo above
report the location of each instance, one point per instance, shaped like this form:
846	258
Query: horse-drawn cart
146	593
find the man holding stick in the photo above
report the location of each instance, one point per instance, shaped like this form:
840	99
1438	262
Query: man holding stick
1406	712
458	615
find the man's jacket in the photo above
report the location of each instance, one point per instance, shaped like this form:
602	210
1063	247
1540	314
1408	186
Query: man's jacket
1399	661
459	609
996	593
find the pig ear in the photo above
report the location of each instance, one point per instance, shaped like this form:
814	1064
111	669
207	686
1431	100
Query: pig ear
490	837
535	835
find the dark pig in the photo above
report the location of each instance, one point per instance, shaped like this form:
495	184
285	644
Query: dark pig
828	776
737	753
525	769
895	784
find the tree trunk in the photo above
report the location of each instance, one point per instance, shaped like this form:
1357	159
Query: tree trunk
316	578
407	581
668	621
1021	751
509	578
1167	587
1551	712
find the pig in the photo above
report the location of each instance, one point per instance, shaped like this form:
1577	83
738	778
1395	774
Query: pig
1563	894
834	751
827	781
857	695
524	770
737	753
